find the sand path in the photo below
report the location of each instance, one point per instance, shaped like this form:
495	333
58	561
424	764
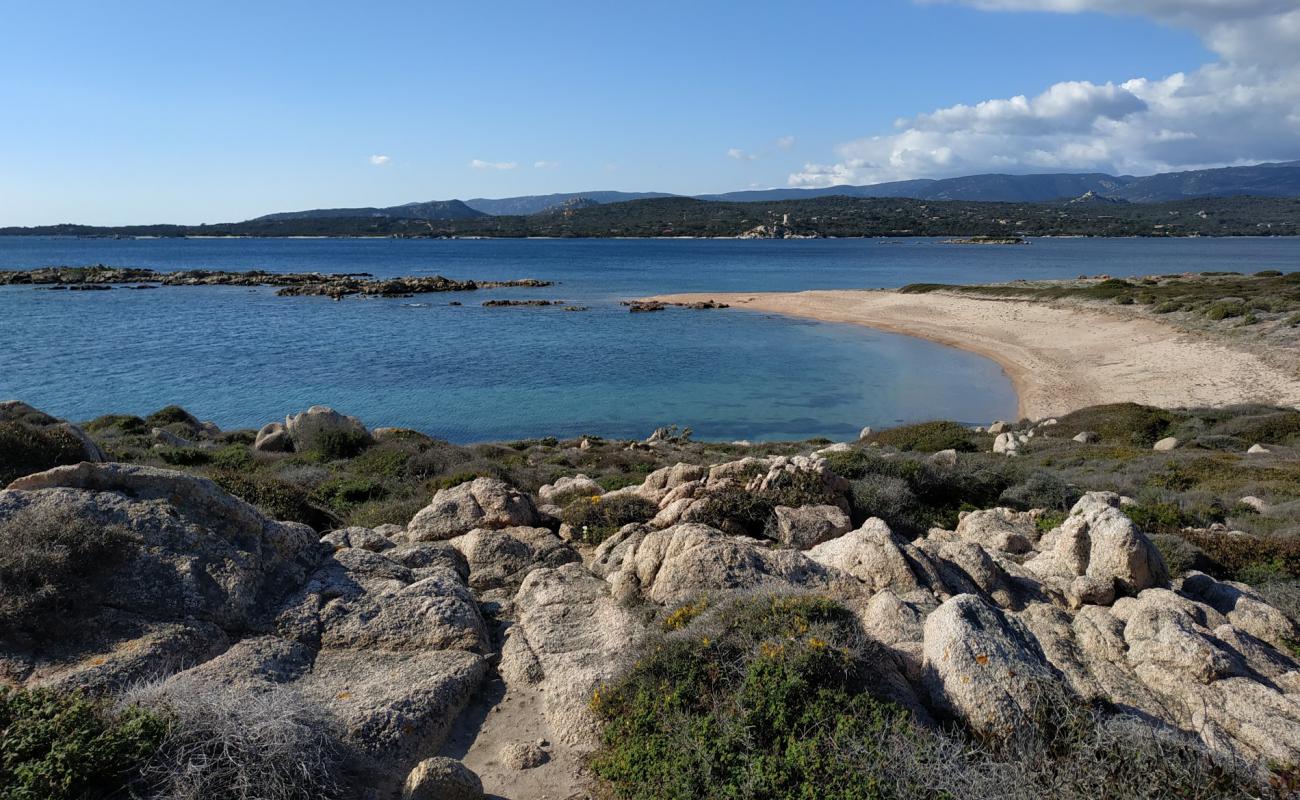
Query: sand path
1059	359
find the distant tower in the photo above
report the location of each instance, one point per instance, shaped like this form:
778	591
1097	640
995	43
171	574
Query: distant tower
785	219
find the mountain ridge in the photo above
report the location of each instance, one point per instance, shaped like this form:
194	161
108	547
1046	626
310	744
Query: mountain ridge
1273	179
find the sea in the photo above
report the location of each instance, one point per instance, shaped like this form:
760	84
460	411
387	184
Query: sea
243	357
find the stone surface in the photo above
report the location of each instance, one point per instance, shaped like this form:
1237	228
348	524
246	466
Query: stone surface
808	526
1002	529
273	438
480	503
568	487
1166	444
442	778
872	554
501	558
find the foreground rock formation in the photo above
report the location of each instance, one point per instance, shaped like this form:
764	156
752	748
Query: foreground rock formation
384	629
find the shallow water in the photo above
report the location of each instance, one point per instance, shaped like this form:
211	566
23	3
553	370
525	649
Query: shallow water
242	357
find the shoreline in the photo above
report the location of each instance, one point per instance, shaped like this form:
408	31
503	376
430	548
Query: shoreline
1058	359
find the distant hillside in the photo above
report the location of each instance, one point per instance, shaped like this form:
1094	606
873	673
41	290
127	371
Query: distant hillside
537	203
1263	180
1086	215
437	209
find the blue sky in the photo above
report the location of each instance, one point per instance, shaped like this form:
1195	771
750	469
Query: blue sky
201	111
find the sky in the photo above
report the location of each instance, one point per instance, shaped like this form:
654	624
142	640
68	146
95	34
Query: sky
145	111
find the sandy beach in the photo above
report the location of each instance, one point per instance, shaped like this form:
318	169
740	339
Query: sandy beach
1059	359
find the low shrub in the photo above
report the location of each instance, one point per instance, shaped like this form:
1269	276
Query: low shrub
184	456
1041	490
619	480
228	744
594	519
235	457
25	449
119	423
172	415
927	437
389	511
1225	310
1159	517
334	444
1179	554
57	746
1237	555
344	492
1118	423
276	498
51	568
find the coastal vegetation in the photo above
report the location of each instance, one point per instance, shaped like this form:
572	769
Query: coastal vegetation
651	592
835	215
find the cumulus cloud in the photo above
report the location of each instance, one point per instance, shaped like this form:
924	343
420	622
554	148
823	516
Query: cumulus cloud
1241	109
785	142
479	163
740	155
380	161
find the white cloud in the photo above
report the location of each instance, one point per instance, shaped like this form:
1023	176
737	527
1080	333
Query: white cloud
1244	108
479	163
785	142
740	155
545	164
380	161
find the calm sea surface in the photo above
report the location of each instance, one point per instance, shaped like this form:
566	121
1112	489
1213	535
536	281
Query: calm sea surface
243	357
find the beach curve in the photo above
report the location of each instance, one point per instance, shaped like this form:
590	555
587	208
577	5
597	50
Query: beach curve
1059	359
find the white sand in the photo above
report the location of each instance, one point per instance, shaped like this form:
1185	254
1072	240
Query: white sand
1059	359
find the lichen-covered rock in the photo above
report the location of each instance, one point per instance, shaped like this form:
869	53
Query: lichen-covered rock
687	560
1099	541
481	503
1001	529
570	637
982	665
501	558
808	526
872	554
569	487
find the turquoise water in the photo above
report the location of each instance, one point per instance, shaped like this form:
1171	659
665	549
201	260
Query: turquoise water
243	357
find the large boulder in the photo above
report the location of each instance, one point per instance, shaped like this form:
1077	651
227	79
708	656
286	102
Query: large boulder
311	429
273	438
1099	541
873	555
1001	529
808	526
481	503
982	665
208	597
570	637
500	559
684	561
442	778
568	487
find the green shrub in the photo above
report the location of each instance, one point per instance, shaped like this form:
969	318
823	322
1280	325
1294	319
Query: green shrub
733	509
345	491
26	449
56	746
927	437
1118	423
122	423
754	705
389	511
1244	555
235	457
595	519
1225	309
1158	517
276	498
184	456
334	444
1167	307
52	565
1179	554
172	415
1278	427
619	480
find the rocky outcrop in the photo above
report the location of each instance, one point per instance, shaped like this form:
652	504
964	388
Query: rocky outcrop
481	503
808	526
1098	541
500	559
567	488
570	636
210	596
